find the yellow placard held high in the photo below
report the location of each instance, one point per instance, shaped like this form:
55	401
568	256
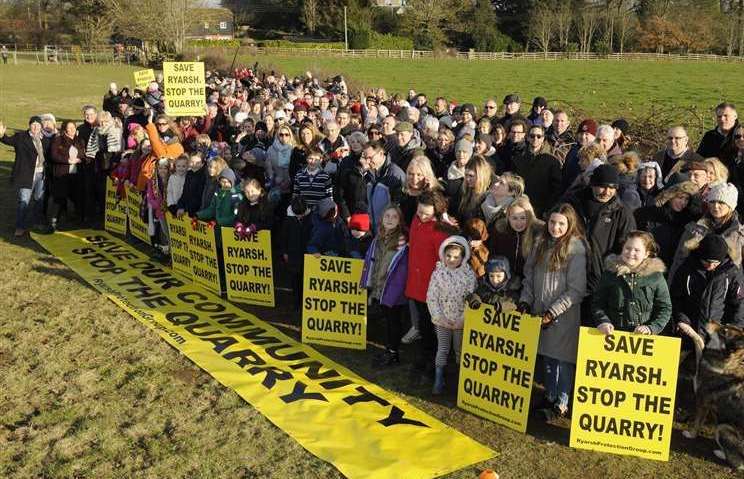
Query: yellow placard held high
178	233
185	88
497	365
249	273
115	219
205	267
137	227
334	303
142	78
624	396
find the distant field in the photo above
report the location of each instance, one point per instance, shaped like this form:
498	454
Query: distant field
87	391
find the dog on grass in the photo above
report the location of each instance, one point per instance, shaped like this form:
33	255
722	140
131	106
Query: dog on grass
719	389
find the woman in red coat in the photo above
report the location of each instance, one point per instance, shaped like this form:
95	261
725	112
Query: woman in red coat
430	227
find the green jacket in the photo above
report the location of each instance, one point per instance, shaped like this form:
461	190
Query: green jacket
223	208
629	299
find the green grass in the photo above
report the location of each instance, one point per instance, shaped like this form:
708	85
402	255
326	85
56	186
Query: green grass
87	391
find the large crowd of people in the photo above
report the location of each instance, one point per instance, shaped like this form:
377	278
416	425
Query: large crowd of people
447	204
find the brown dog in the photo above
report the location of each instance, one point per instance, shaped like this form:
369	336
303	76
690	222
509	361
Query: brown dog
719	389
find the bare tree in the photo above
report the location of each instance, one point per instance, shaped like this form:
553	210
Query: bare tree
541	28
134	18
310	15
626	21
587	21
563	19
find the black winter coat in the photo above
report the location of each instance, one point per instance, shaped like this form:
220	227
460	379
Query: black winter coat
351	192
716	144
193	187
22	174
542	178
605	231
699	296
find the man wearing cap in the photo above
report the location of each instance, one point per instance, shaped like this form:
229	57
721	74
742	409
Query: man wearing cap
512	104
27	175
407	141
719	141
677	150
586	134
467	119
606	221
538	105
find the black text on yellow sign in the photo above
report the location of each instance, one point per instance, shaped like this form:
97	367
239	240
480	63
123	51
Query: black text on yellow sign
185	88
178	234
249	274
497	365
137	227
624	395
205	268
142	78
115	219
334	304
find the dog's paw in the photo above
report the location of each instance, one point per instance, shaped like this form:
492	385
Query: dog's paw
689	434
719	454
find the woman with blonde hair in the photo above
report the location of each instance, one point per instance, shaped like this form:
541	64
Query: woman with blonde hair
477	181
717	171
278	157
514	235
420	177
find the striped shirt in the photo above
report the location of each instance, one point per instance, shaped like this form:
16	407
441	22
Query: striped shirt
313	187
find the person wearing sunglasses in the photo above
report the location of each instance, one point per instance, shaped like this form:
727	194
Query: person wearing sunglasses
278	157
540	170
677	150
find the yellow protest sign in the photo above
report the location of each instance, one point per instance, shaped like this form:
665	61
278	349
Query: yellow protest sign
185	89
249	272
205	267
137	227
142	78
624	396
178	233
115	219
319	403
497	365
334	304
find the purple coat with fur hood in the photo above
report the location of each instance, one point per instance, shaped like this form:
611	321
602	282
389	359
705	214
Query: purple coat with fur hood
448	288
393	292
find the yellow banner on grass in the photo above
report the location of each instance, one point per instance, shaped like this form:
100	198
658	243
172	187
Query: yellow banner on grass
178	233
185	88
115	219
363	430
624	396
142	78
334	303
205	266
497	365
249	271
137	227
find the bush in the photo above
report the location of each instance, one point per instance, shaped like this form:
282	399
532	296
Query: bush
359	37
310	45
603	47
207	43
380	41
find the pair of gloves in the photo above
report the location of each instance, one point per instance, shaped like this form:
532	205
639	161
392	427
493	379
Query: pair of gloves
547	320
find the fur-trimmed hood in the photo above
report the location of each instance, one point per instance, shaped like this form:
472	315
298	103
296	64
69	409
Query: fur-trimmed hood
734	236
626	164
670	192
614	264
455	239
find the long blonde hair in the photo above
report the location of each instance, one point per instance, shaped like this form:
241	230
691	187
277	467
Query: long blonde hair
423	164
471	197
717	169
529	237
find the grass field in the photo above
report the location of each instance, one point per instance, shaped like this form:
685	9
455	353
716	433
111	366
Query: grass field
87	391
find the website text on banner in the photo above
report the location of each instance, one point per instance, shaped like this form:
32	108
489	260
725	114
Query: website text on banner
115	219
249	272
205	265
185	89
334	303
137	226
142	78
624	396
290	383
497	365
178	234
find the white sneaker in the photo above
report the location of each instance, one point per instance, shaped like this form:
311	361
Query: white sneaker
411	336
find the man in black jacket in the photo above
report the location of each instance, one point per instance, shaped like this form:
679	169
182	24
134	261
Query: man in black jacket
540	170
28	172
718	142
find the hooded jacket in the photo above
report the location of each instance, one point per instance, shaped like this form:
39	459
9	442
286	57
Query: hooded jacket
694	233
223	208
448	288
503	296
628	298
396	272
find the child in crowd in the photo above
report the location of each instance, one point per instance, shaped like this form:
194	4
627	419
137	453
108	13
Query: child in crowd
176	182
312	182
122	174
224	205
255	212
496	287
632	294
361	236
155	194
477	234
451	282
193	187
384	275
553	288
330	235
296	232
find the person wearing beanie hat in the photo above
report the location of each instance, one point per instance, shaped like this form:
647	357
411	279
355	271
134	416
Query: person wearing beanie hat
359	222
586	134
706	288
456	171
361	235
223	208
605	176
27	175
407	139
512	104
330	235
721	219
538	105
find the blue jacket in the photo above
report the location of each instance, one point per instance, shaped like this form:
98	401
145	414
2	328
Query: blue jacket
330	239
385	187
393	292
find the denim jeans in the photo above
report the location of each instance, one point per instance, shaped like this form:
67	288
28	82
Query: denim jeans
25	196
559	380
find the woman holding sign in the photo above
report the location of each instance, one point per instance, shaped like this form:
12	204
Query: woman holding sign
632	294
553	288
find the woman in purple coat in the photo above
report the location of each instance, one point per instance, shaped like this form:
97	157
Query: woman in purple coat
384	275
